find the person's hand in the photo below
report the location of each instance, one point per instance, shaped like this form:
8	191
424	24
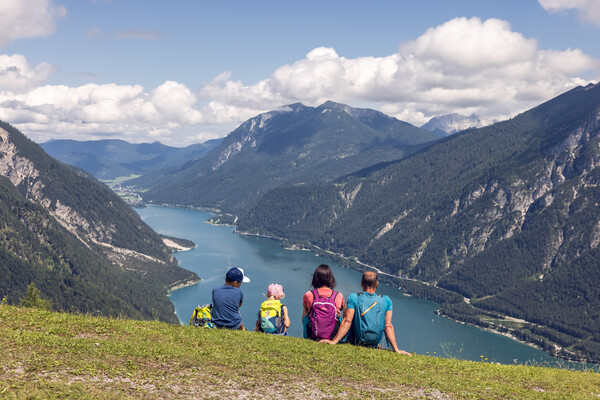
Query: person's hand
403	352
326	341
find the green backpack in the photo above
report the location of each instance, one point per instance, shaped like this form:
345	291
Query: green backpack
201	317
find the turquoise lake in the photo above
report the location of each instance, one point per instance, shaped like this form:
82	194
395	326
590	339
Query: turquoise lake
418	329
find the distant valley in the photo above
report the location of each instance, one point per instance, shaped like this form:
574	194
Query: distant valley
111	158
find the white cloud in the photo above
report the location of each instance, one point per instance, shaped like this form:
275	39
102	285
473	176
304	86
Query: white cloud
27	18
58	111
588	10
464	66
470	44
17	75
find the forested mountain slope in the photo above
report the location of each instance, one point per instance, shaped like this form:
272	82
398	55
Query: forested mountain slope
507	216
291	145
82	246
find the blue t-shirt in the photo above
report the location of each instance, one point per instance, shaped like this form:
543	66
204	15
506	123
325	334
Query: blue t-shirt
226	302
353	305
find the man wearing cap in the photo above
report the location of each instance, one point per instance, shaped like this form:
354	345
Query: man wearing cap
227	300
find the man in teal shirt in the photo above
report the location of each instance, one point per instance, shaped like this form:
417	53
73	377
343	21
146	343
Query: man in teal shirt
369	315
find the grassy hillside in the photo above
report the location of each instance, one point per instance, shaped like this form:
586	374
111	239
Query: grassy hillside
54	355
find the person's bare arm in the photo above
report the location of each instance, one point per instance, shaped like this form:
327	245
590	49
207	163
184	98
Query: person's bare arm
304	308
344	327
286	318
391	335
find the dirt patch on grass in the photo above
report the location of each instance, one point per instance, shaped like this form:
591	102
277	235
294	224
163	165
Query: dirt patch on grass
204	384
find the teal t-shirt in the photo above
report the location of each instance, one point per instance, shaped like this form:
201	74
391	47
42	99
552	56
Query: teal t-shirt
352	304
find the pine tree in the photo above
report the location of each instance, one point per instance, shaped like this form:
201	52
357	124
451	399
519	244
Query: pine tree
33	299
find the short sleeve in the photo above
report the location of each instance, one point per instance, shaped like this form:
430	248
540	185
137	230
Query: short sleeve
339	301
352	301
308	299
388	303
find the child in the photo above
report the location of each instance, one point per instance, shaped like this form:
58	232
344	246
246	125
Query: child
273	315
227	300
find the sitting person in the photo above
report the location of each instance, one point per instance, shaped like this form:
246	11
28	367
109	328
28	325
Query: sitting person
367	317
273	315
227	300
322	306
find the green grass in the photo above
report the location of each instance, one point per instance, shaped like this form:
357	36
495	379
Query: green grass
55	356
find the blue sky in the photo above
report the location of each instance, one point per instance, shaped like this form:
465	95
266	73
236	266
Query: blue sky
186	71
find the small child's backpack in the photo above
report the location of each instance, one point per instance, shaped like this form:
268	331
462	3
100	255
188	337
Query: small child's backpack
371	320
270	316
201	317
323	320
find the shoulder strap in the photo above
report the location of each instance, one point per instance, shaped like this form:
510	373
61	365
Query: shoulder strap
333	294
315	293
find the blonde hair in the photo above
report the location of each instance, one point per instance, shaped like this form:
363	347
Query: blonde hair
275	290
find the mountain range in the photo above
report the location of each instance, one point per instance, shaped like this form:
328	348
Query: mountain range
110	159
501	220
292	145
84	248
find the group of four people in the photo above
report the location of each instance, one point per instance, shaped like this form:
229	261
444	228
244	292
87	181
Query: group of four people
367	316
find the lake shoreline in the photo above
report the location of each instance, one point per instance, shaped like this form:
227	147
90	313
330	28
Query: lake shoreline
183	283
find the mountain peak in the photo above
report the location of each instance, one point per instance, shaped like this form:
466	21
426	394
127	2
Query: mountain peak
362	114
333	105
452	123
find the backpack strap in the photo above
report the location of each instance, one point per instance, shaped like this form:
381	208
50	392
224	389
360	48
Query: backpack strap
315	293
369	309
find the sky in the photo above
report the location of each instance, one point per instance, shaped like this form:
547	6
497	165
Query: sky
186	71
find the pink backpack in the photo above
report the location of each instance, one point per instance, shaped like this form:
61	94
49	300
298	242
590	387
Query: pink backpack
323	317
